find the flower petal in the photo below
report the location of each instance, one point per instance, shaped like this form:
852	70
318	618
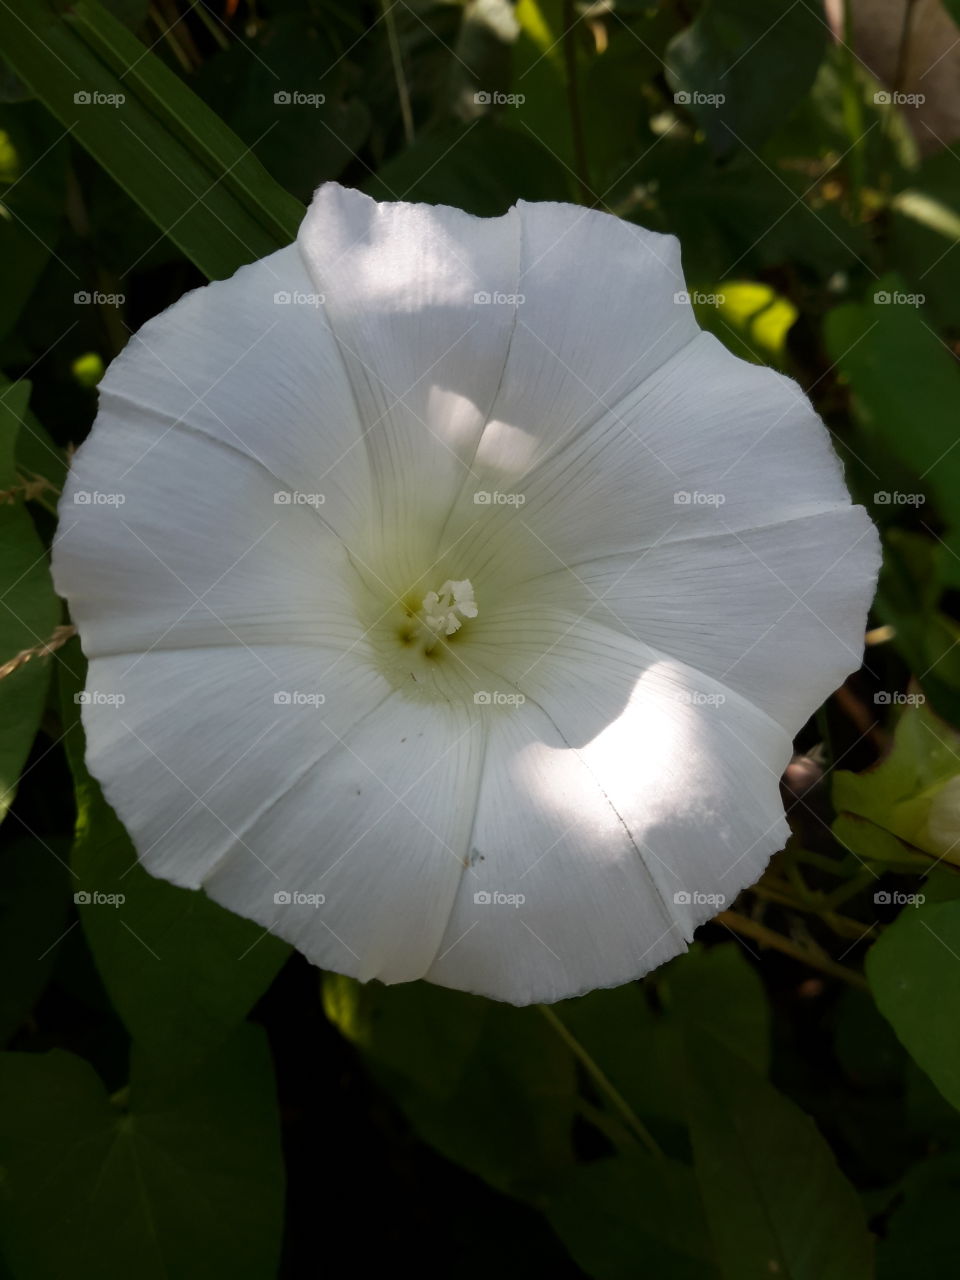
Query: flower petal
621	834
225	463
706	444
250	362
379	828
775	614
191	747
195	552
400	283
603	308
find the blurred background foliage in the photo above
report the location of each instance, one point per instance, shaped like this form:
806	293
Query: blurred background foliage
181	1097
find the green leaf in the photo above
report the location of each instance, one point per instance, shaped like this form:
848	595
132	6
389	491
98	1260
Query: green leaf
774	1198
925	230
746	214
631	1216
914	573
32	197
38	458
611	104
155	1184
717	990
921	1238
490	1086
181	971
913	419
479	167
871	843
35	888
749	318
303	141
914	792
29	609
864	1043
617	1028
190	173
722	66
914	973
711	988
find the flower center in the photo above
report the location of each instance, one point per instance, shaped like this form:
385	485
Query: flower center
442	612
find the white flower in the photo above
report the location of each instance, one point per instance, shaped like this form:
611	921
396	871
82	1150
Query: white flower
458	641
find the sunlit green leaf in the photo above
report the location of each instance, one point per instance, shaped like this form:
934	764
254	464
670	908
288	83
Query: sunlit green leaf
915	791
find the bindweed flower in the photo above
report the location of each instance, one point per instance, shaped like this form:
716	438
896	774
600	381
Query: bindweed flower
463	597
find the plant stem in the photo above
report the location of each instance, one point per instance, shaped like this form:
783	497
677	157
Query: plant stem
581	164
602	1081
769	938
403	93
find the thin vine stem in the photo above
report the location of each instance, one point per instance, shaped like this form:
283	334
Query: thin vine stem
603	1082
581	163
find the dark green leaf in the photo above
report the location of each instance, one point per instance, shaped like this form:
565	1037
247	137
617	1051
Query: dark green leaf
775	1200
914	973
721	66
717	990
35	888
147	1184
920	1240
179	162
32	193
633	1216
913	418
490	1086
478	167
29	610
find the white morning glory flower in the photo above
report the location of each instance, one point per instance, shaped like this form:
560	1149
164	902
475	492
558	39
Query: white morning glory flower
451	599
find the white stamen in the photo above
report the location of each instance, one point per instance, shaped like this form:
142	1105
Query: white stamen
443	611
